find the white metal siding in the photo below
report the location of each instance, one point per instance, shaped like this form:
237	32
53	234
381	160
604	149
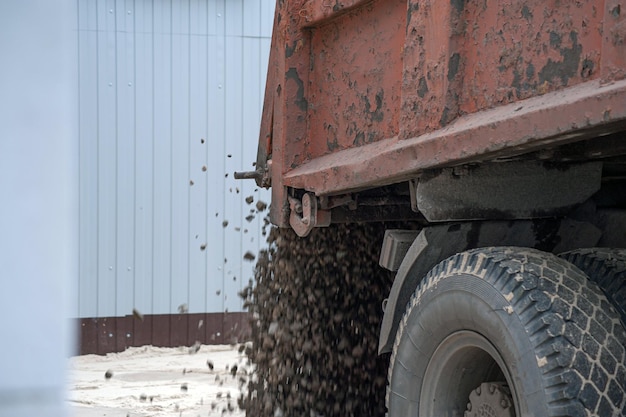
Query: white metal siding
156	80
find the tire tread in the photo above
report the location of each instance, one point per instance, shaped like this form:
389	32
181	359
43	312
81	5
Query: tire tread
568	332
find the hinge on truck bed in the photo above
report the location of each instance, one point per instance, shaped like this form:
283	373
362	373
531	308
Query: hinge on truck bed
305	214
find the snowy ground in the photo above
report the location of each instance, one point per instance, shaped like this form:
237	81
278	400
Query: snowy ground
151	381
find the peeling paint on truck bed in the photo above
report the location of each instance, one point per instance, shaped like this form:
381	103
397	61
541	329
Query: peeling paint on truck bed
363	93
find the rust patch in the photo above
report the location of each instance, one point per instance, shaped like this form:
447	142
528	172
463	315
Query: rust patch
412	7
613	64
615	10
618	34
458	5
355	84
376	114
300	99
422	87
515	51
433	67
587	68
295	47
453	65
565	68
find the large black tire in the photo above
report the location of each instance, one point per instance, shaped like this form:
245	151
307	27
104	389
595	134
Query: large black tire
524	327
607	268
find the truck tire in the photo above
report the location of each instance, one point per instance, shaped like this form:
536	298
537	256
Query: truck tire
507	332
607	268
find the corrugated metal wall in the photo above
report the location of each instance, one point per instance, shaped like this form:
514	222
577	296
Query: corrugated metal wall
170	97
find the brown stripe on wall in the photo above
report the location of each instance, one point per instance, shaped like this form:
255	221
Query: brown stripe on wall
114	334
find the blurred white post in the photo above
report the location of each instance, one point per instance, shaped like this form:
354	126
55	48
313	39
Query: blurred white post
38	203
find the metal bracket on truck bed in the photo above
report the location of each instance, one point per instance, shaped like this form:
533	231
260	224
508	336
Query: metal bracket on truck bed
262	176
305	214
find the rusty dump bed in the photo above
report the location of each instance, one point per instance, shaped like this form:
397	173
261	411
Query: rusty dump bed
365	94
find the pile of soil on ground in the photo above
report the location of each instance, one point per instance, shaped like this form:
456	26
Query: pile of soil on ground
316	308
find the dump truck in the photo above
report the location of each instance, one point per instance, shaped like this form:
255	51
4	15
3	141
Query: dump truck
497	132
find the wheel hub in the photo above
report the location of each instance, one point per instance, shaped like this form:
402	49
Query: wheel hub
490	399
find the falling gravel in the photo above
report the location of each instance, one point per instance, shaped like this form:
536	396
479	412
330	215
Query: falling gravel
316	308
